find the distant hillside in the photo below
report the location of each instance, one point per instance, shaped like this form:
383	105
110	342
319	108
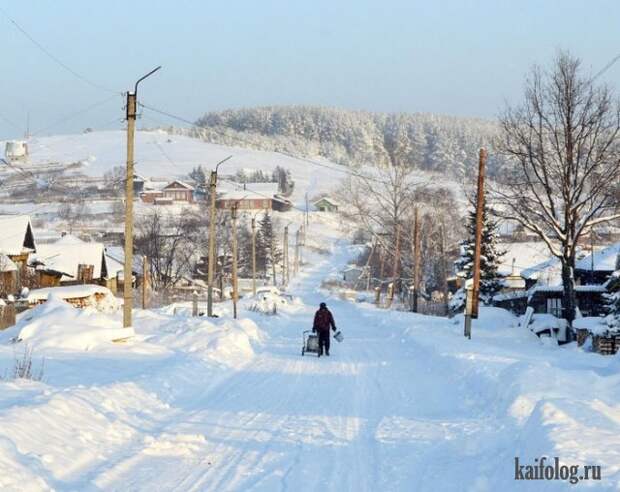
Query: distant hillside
425	141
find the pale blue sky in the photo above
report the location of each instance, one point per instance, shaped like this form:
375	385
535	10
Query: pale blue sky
451	57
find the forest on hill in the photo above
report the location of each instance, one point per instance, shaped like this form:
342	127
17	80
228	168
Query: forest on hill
429	142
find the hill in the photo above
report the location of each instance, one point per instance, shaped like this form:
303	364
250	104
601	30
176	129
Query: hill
428	142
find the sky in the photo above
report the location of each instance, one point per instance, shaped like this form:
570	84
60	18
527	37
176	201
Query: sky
463	58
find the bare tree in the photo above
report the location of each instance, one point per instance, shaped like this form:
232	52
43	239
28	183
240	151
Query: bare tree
382	204
564	161
170	245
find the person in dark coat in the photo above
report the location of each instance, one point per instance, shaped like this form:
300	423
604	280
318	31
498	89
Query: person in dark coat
323	320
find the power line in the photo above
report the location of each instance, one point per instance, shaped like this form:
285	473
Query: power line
53	57
71	116
606	67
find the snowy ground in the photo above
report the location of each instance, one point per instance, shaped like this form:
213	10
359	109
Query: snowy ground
404	403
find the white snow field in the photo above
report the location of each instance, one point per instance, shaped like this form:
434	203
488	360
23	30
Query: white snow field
405	403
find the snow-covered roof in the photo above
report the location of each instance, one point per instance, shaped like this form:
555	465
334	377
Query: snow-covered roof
525	256
14	235
68	292
329	200
176	185
115	261
251	191
6	264
65	257
604	259
548	272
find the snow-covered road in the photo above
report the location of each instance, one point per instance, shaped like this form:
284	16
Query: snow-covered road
404	403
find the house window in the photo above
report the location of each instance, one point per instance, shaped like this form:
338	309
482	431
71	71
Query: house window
554	306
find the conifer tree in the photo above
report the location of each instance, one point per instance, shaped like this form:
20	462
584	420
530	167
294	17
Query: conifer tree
491	281
268	253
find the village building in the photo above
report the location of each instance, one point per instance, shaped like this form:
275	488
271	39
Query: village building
16	245
326	204
70	261
178	191
252	196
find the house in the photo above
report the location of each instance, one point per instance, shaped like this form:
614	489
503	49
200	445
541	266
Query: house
16	151
70	261
16	245
326	204
16	238
597	267
248	196
178	191
151	196
281	204
115	263
8	276
138	184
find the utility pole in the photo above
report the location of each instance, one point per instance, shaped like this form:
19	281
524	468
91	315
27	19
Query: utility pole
145	280
128	266
235	292
212	219
285	262
254	256
416	261
302	238
395	268
307	211
471	308
296	264
444	272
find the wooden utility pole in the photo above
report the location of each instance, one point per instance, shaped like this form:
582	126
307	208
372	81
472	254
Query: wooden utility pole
253	256
416	260
235	291
132	98
285	262
444	271
296	263
145	280
396	266
471	309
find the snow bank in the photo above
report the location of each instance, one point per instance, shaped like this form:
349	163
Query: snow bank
57	324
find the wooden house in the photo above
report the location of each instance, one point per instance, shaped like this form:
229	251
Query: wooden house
178	191
597	267
16	239
248	196
326	204
8	276
71	261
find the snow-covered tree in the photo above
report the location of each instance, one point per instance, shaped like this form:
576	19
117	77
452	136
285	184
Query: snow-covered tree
268	253
490	256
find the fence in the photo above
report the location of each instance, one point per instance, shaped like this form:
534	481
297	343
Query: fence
7	316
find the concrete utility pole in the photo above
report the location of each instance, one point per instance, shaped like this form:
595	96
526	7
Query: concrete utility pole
212	219
145	280
254	256
471	308
128	266
416	261
235	291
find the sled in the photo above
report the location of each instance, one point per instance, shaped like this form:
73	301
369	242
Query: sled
310	343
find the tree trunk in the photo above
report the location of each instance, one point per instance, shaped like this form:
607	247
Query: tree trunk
569	301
